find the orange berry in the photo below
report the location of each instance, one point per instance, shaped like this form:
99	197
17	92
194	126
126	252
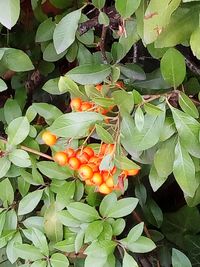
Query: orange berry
76	103
89	151
70	152
104	189
85	172
82	156
94	167
103	149
132	172
97	179
86	106
74	163
96	160
106	175
61	158
119	84
48	138
110	182
88	182
99	87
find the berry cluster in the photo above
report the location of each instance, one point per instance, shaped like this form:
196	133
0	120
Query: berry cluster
87	164
78	105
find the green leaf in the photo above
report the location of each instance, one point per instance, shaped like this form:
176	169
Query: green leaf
75	124
145	139
52	225
135	232
39	263
123	163
188	130
2	221
92	260
64	34
156	17
98	3
101	248
104	102
53	171
12	110
34	222
139	119
155	180
103	18
122	208
187	18
20	158
184	170
128	261
132	71
104	135
107	203
28	252
47	111
39	240
50	54
142	245
45	31
29	202
164	157
124	100
18	130
3	85
4	166
93	230
66	84
173	67
194	41
187	105
168	129
51	86
153	213
16	60
6	191
152	109
126	7
67	219
10	249
180	259
90	74
65	194
79	240
9	12
83	212
59	260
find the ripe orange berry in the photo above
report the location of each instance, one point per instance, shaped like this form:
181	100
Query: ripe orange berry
94	167
97	179
103	149
119	84
110	182
61	158
48	138
99	87
85	172
96	160
104	189
74	163
88	182
82	156
106	175
76	103
86	106
132	172
70	152
89	151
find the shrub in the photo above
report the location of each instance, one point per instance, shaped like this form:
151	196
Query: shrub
99	159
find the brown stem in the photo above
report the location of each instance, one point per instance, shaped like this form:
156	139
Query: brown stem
30	150
102	43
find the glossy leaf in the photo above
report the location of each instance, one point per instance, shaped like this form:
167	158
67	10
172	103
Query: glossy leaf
129	261
59	260
126	7
179	258
122	208
187	105
3	85
104	135
9	12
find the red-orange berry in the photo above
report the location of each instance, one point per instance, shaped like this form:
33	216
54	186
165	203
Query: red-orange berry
74	163
82	156
76	103
97	179
110	182
49	138
70	152
99	87
88	182
94	167
61	158
89	151
86	106
85	172
104	189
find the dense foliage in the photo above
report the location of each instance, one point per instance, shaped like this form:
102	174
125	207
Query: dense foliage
100	133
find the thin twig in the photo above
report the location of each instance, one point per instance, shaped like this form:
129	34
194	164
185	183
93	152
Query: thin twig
30	150
102	43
